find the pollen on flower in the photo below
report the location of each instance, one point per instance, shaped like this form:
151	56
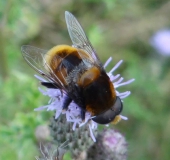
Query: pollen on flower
73	113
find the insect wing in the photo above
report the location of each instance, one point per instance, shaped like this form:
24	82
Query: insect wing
35	58
79	38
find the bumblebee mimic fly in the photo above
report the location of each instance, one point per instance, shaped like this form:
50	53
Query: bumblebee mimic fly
78	72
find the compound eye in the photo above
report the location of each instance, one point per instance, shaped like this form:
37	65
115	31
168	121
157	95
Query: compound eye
118	106
109	115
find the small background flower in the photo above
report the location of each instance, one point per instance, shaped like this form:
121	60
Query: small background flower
111	145
161	42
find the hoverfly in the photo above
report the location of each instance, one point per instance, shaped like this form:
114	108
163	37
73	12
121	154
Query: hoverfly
78	72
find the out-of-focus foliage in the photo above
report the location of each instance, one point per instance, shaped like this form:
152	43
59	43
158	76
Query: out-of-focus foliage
118	28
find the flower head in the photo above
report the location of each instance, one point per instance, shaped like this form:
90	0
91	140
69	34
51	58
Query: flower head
51	152
161	42
73	113
110	145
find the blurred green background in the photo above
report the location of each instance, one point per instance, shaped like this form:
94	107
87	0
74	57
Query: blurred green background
118	28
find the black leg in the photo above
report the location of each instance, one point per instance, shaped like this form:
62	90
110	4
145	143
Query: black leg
83	115
50	85
66	103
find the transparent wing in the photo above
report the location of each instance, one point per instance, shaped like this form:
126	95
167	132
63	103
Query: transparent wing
35	58
79	38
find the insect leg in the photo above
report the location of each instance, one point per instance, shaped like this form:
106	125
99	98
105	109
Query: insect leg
66	103
49	85
83	114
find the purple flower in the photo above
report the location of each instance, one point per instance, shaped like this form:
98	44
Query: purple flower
73	112
161	42
112	145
